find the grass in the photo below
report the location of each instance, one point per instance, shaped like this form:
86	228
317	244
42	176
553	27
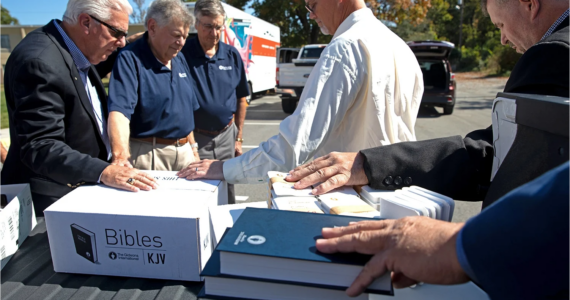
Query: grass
4	111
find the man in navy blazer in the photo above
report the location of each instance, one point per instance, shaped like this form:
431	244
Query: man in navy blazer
517	248
57	104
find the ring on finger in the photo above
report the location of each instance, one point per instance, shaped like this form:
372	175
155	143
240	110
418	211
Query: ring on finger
196	169
131	181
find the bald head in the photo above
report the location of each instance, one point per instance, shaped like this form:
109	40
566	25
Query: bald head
329	14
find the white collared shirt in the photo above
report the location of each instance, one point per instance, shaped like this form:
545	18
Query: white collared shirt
365	91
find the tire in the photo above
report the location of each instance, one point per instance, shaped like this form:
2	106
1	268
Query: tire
250	97
289	105
448	109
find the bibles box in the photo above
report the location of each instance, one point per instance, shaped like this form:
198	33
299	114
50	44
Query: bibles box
17	219
160	234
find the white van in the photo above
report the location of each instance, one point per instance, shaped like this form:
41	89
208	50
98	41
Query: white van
256	40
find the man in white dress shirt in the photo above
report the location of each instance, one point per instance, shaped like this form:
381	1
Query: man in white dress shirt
365	91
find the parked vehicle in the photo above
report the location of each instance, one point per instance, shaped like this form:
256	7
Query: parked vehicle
257	42
439	80
293	71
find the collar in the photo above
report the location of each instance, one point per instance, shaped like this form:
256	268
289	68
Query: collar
555	25
352	19
197	51
81	62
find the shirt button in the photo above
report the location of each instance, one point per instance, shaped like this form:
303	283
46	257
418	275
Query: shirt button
408	181
398	180
388	180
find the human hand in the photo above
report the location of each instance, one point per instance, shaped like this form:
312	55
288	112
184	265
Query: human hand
204	169
238	149
414	249
334	170
117	176
123	162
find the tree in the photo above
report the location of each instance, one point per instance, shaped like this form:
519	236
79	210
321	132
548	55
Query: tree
139	13
399	11
7	19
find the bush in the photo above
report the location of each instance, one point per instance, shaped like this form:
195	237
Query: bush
502	60
470	59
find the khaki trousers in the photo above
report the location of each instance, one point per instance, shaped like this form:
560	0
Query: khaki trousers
159	157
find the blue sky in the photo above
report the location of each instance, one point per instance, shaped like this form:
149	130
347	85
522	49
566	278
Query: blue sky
39	12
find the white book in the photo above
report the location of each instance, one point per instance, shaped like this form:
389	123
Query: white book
283	188
344	200
303	204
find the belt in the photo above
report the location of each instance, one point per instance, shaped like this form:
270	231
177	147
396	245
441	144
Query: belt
175	142
214	133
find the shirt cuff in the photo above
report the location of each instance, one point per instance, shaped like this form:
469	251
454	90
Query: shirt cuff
233	171
463	258
99	180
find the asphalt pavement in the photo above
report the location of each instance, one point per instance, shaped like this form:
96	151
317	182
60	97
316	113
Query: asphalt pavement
475	95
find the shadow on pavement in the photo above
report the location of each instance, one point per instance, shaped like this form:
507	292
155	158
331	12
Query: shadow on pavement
428	112
481	104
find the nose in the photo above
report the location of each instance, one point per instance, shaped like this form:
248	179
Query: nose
504	40
122	42
312	16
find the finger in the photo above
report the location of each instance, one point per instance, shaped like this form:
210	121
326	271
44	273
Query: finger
191	169
354	227
365	242
147	176
307	169
126	186
146	183
400	281
373	269
331	183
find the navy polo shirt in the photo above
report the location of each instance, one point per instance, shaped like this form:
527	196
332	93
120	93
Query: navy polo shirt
219	81
158	101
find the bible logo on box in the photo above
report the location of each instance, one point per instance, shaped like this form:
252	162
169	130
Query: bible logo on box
84	242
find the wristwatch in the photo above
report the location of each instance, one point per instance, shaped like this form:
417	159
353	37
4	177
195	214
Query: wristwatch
195	145
239	140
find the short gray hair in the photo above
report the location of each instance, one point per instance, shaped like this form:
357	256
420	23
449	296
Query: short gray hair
166	11
210	8
101	9
484	5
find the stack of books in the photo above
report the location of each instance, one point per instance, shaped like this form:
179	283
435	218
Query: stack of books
341	201
271	254
409	201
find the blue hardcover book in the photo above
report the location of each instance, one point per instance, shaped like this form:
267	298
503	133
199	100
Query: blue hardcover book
280	245
222	287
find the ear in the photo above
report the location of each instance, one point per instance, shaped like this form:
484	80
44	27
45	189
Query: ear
531	7
151	26
85	21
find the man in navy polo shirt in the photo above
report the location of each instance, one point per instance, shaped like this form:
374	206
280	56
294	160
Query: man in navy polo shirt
151	98
221	87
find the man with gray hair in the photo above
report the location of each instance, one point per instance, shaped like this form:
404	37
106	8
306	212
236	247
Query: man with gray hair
151	98
221	86
57	104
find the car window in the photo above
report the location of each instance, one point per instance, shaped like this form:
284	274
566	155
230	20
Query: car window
312	52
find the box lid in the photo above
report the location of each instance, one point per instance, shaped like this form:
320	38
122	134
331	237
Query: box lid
161	202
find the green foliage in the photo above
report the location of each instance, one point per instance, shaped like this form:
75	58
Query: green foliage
7	19
502	60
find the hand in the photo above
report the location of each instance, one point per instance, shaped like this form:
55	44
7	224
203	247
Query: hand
238	149
123	162
333	170
117	176
205	169
414	248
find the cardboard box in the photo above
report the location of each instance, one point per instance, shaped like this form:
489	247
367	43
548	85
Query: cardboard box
169	180
222	217
17	219
161	234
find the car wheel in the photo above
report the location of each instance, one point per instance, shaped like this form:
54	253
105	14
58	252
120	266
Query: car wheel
289	105
448	109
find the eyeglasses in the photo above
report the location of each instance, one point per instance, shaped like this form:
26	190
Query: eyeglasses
211	27
116	33
311	9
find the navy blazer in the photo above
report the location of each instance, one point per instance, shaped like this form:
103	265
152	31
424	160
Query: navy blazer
518	248
55	140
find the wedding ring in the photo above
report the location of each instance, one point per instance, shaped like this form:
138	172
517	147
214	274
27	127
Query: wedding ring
130	181
196	169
